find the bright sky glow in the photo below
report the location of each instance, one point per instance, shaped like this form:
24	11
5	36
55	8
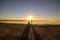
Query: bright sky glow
39	9
29	17
17	9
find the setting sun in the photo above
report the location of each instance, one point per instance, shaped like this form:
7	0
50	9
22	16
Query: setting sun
29	17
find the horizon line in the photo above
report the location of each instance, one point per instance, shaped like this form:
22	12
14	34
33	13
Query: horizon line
35	20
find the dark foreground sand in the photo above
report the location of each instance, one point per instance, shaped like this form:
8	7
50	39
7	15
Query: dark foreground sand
16	31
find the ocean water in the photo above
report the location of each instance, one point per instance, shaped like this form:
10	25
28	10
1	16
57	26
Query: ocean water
22	22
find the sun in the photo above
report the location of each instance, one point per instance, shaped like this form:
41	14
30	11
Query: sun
29	17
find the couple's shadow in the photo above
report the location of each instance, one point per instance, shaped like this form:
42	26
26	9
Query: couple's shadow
26	31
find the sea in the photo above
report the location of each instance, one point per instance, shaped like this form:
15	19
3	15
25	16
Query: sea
26	22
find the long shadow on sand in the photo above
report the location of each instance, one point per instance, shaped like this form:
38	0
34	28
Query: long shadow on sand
25	33
36	36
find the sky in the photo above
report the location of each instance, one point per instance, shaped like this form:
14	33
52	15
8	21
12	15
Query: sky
21	9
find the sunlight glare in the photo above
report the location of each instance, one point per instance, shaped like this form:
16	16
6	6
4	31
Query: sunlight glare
29	17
